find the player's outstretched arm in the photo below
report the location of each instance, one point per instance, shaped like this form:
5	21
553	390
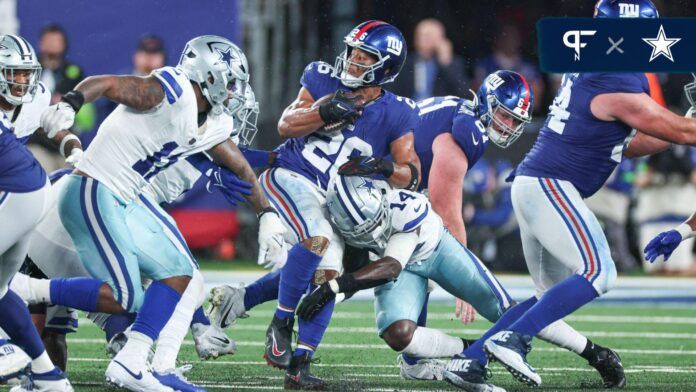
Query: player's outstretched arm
300	118
406	163
139	93
644	114
69	146
644	144
446	183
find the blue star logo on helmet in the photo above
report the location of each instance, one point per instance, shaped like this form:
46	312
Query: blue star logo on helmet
368	184
226	57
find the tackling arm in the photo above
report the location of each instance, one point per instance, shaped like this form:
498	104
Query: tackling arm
446	183
300	118
644	114
406	163
140	93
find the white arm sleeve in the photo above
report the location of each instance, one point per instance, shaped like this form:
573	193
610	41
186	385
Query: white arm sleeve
401	246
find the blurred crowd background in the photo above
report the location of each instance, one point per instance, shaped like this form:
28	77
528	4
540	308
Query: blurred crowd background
453	45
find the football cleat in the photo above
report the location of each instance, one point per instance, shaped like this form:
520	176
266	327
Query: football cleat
424	369
53	381
133	378
226	305
14	362
510	349
469	375
608	364
211	341
118	341
278	352
175	379
298	375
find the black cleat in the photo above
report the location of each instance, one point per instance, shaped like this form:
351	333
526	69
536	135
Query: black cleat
608	364
299	377
279	342
469	375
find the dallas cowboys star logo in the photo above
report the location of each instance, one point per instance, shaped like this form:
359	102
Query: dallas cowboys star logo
661	45
226	57
366	183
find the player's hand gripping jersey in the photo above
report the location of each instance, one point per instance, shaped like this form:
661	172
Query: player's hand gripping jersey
318	155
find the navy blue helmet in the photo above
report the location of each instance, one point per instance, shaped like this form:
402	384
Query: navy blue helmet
625	9
504	105
381	40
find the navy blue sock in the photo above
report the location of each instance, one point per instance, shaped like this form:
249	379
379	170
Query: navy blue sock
294	279
199	317
262	290
158	306
16	322
311	332
558	302
422	319
117	323
76	293
475	351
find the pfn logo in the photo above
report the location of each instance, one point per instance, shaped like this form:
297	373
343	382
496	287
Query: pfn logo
576	44
629	10
394	45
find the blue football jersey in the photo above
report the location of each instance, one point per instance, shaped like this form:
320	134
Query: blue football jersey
451	114
575	146
19	171
317	156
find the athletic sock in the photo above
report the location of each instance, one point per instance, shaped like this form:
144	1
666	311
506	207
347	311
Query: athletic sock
563	335
158	305
117	323
431	343
262	290
77	293
294	279
199	317
16	322
311	332
561	300
475	351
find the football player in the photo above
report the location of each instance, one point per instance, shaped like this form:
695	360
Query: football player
162	118
341	116
595	119
24	198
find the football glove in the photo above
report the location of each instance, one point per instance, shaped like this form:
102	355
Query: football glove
271	241
75	156
341	108
361	165
315	301
232	187
58	117
662	245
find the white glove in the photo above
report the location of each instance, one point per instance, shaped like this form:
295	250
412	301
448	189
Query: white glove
279	260
75	157
56	118
691	113
271	241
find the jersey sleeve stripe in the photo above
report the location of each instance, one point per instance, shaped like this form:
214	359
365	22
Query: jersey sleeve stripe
412	224
172	83
3	196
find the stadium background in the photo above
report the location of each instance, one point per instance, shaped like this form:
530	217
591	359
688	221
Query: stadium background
281	37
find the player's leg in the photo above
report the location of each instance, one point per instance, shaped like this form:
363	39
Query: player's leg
299	204
19	213
96	221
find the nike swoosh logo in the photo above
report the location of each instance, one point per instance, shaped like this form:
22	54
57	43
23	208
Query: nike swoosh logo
274	348
223	340
473	139
136	376
418	209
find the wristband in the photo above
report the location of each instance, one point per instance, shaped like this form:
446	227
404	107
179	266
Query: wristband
65	141
265	211
413	184
685	231
333	285
75	99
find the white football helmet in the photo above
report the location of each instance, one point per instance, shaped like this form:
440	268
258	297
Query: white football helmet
359	210
17	55
246	118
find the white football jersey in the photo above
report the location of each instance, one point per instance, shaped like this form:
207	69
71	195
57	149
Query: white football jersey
132	147
412	212
26	117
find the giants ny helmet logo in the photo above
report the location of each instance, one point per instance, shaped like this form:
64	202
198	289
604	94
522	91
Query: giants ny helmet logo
629	10
576	44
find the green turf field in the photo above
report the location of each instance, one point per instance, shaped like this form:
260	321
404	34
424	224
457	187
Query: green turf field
657	345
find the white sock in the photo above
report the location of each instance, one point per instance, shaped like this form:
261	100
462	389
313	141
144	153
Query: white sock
135	350
174	332
42	364
431	343
31	290
563	335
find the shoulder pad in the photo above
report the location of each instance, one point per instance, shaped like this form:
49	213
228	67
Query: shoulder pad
408	209
172	80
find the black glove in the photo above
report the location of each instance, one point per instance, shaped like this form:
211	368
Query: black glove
341	108
315	301
361	165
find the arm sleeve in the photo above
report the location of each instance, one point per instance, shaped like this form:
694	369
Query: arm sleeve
401	246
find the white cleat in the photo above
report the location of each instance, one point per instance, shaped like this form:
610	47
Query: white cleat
226	305
211	341
14	362
133	378
424	369
118	341
53	381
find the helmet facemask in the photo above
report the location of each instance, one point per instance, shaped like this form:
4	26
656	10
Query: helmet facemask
373	232
343	63
246	118
503	125
690	91
26	89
